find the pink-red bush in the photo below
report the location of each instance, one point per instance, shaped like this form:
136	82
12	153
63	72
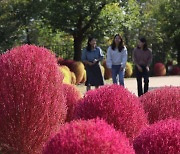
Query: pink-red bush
160	138
162	103
67	62
32	104
175	70
159	69
115	105
59	60
72	95
88	137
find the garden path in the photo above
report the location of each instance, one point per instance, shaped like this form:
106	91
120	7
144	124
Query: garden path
155	82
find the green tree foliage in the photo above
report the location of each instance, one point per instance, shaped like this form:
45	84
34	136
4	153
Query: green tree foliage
168	16
75	18
64	25
15	18
131	24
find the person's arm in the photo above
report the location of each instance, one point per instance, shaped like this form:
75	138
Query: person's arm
149	60
101	55
84	58
124	58
108	59
134	57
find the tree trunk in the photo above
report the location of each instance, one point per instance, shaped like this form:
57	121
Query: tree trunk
176	40
178	58
77	47
27	36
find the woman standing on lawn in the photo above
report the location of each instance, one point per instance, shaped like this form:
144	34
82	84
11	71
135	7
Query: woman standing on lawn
116	59
142	58
91	56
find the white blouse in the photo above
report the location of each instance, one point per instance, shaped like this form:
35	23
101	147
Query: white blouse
114	57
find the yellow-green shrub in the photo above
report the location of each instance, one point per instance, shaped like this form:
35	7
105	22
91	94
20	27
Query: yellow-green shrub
128	70
73	78
67	74
102	70
78	69
107	71
84	77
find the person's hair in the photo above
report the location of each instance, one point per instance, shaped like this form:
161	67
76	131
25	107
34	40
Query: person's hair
143	40
88	43
121	44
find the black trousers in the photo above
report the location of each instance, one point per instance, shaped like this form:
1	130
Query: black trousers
139	75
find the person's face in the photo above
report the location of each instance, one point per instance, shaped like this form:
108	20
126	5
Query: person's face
117	40
140	44
93	43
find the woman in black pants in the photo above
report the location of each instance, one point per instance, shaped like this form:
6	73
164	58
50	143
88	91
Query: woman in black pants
142	57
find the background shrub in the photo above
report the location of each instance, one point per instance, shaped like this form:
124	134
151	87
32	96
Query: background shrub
72	95
162	103
107	71
78	69
73	78
67	62
116	105
84	77
160	138
102	70
88	137
129	70
32	104
66	73
159	69
175	70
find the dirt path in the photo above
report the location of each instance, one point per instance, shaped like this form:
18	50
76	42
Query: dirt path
155	82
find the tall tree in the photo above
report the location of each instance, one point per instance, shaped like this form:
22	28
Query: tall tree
76	18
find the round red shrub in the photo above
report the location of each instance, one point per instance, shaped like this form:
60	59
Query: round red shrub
32	105
159	69
67	62
160	138
175	70
59	60
88	137
72	95
162	103
115	105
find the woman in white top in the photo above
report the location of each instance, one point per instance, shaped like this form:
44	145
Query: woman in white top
116	59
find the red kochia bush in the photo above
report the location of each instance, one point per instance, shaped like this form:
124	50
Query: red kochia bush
160	138
68	62
175	70
162	103
159	69
88	137
31	99
72	95
116	105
